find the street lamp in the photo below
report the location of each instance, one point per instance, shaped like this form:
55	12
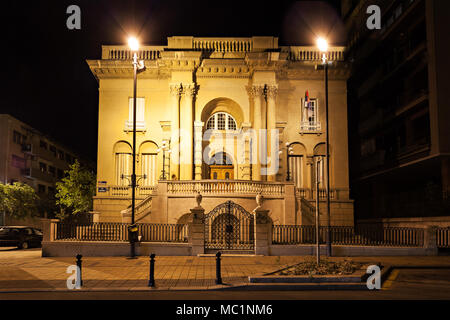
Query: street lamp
322	45
138	66
164	148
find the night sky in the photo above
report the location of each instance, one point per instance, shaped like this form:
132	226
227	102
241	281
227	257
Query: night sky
49	85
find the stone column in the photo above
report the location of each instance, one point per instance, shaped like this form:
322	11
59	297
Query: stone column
263	231
256	92
271	118
198	125
245	145
175	90
187	128
196	231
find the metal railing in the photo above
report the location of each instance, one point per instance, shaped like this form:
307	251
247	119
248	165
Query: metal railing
443	237
152	232
112	231
360	235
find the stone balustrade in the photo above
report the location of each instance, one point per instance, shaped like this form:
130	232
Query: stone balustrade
223	44
311	53
307	193
295	53
207	187
124	52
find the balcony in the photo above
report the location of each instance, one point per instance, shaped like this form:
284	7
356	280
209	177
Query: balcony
310	127
140	126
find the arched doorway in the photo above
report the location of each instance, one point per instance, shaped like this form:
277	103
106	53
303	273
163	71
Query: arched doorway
221	167
223	118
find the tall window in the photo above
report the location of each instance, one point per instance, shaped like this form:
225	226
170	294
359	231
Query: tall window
295	170
149	167
221	121
123	168
310	115
319	172
140	114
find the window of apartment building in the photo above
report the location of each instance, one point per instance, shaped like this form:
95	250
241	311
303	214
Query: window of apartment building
140	114
310	115
51	190
60	155
53	150
42	167
52	170
43	144
18	137
59	173
69	158
41	188
18	162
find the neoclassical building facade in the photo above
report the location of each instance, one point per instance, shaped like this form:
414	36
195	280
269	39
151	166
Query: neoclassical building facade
226	117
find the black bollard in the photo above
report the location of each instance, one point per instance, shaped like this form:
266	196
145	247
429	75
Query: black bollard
218	276
151	281
79	256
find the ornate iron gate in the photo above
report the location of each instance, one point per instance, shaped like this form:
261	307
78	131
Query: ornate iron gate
229	227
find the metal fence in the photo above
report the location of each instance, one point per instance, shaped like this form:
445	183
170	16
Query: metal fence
112	231
361	235
443	237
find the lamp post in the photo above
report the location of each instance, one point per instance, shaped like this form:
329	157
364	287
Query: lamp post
164	148
137	66
323	47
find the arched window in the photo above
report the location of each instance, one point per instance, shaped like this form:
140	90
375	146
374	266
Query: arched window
123	163
221	121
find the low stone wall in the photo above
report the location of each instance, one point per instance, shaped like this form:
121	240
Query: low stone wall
417	222
112	249
350	251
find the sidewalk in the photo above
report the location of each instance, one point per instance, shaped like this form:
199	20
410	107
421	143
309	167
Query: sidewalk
26	270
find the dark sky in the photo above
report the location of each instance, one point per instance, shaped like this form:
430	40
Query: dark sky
49	85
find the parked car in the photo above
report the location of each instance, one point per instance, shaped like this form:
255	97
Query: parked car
20	236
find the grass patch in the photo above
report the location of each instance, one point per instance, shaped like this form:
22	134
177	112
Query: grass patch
325	267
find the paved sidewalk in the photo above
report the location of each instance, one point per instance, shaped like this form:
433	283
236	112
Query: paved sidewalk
26	270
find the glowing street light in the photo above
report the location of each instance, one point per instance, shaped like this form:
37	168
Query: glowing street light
134	46
133	43
322	45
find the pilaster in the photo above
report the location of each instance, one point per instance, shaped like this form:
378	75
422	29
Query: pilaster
175	91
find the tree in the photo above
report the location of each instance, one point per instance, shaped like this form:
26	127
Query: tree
18	200
75	191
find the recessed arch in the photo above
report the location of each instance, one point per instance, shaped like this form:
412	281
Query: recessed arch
320	149
122	146
148	147
226	105
297	148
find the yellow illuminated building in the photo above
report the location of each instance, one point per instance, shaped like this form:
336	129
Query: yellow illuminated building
225	96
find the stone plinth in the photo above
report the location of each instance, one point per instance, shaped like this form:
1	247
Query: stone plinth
263	231
196	231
